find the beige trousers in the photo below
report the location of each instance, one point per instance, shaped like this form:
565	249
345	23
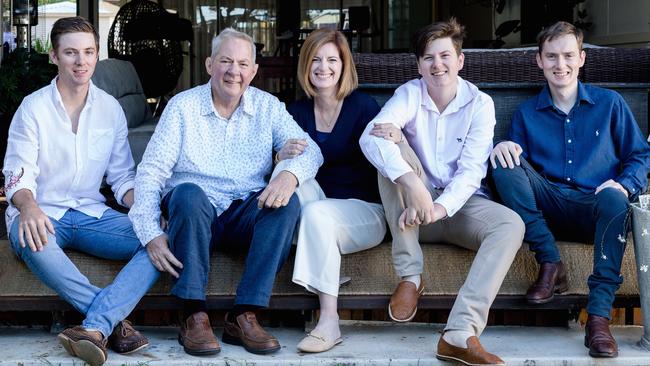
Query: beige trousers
493	230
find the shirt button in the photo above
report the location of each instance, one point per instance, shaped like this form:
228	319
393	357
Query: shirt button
568	120
568	179
570	161
569	141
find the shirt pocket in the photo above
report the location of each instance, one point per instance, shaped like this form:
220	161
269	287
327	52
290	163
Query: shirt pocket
100	143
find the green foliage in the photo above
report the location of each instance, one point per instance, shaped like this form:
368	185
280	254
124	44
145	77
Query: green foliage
21	73
42	47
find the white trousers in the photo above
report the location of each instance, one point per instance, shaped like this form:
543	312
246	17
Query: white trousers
328	228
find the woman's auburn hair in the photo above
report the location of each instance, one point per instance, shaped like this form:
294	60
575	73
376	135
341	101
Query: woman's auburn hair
316	39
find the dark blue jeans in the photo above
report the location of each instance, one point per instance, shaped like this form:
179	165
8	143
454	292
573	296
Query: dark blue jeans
551	211
195	229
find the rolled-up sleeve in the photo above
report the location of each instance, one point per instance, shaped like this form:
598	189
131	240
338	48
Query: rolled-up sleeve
120	172
384	154
158	160
20	163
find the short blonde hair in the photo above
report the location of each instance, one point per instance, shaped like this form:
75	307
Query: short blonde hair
230	33
316	39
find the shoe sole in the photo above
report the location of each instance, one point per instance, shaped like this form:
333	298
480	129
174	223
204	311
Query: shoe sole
336	342
227	338
454	359
130	351
192	352
599	354
84	349
559	289
410	317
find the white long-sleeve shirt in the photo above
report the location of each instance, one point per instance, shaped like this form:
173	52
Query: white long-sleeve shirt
228	158
453	146
64	170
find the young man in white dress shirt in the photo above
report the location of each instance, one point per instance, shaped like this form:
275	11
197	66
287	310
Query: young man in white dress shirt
62	141
431	190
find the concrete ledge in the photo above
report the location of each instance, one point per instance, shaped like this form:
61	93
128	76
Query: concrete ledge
364	343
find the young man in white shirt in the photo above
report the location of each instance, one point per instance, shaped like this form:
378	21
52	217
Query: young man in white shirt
62	141
433	191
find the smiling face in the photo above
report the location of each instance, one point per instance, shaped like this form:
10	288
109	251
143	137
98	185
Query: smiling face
326	67
231	69
440	64
561	60
76	57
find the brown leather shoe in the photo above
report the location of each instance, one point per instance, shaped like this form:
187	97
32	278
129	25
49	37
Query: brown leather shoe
125	339
598	339
551	280
89	346
474	354
247	332
196	336
404	301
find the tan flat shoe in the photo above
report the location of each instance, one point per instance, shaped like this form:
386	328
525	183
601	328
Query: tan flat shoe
314	344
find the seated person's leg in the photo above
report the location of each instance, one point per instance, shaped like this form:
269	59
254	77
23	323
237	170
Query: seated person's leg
54	268
267	233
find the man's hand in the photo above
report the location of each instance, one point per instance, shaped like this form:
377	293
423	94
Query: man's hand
292	148
279	191
161	257
610	183
128	198
419	208
508	153
33	225
387	131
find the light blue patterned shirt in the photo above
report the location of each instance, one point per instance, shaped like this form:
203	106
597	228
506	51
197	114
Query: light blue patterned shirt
228	158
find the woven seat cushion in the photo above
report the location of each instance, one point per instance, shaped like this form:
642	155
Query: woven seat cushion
371	271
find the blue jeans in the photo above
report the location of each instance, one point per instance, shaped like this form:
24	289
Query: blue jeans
551	211
110	237
195	229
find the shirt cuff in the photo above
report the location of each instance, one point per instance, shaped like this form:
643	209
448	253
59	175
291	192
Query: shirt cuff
10	192
449	203
121	191
396	170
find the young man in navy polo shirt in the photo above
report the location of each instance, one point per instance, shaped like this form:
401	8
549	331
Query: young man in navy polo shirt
575	159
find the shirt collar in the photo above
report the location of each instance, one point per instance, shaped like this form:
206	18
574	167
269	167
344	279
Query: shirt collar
205	94
464	95
545	100
56	95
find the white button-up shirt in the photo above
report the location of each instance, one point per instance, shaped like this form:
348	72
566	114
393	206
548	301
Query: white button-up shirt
228	158
453	146
64	170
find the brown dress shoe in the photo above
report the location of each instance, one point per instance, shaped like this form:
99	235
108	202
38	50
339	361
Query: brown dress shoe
247	332
550	281
598	339
89	346
474	354
196	336
125	339
404	301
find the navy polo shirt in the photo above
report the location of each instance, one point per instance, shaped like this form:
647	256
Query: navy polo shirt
597	140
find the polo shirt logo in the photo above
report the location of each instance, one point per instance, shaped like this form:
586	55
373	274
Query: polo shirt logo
459	139
597	132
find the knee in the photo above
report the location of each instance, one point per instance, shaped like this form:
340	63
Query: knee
316	214
188	198
292	209
502	175
611	202
511	228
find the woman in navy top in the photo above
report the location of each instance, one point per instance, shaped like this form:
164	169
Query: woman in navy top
342	211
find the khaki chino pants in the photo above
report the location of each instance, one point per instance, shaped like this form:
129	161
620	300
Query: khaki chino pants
494	231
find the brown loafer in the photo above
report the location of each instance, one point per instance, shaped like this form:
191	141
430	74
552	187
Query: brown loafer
196	336
87	345
551	280
404	301
247	332
598	338
474	354
125	339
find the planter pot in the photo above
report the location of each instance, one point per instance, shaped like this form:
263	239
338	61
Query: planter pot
641	233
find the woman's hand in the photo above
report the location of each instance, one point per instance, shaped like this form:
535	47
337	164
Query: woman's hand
291	149
387	131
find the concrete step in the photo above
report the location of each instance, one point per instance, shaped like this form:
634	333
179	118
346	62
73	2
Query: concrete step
364	343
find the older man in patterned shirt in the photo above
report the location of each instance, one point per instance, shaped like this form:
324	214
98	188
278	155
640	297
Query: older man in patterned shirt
208	160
